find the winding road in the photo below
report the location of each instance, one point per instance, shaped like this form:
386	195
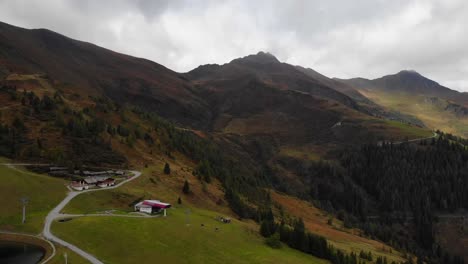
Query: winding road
410	140
417	139
55	214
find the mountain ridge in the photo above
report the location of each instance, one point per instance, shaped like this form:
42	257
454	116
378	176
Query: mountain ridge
408	81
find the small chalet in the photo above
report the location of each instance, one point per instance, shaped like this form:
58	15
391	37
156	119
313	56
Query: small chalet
106	183
79	185
152	207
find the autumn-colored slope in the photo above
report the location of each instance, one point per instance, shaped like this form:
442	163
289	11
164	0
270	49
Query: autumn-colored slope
317	222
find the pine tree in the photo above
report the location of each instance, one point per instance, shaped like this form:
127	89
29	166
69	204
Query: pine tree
265	229
167	168
186	188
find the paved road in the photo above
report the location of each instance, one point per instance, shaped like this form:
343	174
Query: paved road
65	216
55	213
411	140
417	139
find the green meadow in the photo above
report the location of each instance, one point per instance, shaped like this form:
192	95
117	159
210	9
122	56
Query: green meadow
43	193
180	237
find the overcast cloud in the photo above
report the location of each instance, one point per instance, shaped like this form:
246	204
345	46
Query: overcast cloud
365	38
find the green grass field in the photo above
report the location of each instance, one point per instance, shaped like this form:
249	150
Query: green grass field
171	240
72	257
410	131
433	116
136	240
43	192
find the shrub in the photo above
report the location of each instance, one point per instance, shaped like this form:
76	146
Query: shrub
273	241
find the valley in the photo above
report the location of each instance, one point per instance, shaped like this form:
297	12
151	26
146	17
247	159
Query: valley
307	168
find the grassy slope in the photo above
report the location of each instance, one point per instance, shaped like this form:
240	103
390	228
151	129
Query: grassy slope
44	193
170	240
167	188
72	257
433	116
154	184
316	220
380	128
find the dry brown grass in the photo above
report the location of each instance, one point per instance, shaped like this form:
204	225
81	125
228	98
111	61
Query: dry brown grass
452	234
316	220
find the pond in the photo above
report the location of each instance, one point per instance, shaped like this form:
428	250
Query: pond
20	253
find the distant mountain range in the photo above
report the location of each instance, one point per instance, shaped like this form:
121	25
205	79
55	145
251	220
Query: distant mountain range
411	82
256	94
409	92
216	97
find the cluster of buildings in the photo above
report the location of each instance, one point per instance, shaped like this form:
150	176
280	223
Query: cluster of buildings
87	179
92	181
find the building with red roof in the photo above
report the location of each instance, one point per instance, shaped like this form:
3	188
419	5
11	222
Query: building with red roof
152	207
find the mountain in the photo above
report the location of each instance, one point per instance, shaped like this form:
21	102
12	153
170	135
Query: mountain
337	85
411	82
196	99
259	95
249	138
267	69
92	70
410	93
249	100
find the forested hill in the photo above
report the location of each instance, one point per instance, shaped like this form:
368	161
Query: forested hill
411	183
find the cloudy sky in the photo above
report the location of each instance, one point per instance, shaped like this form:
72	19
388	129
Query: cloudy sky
367	38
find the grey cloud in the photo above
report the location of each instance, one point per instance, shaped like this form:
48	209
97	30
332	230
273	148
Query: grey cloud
367	38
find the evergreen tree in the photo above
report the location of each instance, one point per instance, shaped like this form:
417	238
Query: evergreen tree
265	229
186	188
167	168
18	123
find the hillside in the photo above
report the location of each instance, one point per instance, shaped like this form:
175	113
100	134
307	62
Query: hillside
236	133
411	82
87	69
410	93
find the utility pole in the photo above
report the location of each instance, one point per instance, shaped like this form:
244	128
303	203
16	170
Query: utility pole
24	201
66	257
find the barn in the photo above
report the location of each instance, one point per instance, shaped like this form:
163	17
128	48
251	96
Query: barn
152	207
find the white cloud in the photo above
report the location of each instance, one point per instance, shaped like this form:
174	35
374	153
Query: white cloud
367	38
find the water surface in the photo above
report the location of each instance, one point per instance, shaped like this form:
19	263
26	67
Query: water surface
20	253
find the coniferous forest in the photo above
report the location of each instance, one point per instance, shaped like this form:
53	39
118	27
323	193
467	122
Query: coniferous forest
396	185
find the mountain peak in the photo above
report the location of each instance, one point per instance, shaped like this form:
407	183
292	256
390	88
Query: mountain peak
408	72
261	57
266	55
